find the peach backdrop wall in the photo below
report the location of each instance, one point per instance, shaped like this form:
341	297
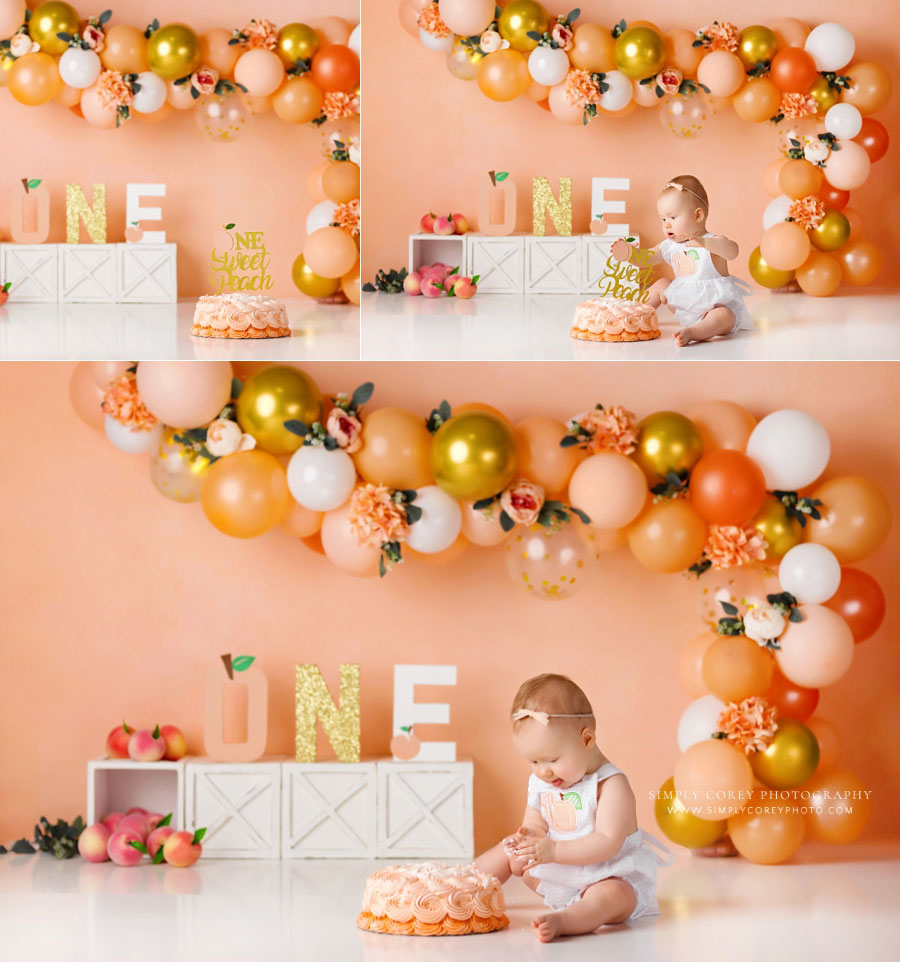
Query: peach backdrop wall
432	138
258	182
115	601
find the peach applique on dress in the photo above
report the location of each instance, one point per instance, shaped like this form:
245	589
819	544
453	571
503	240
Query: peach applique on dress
684	263
559	811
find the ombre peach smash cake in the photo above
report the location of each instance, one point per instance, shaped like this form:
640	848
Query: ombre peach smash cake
430	898
240	315
621	312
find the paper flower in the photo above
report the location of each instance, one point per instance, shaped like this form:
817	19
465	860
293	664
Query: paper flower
563	35
123	404
605	429
522	501
338	105
224	437
719	35
581	91
764	623
807	211
113	90
375	517
491	41
669	80
748	725
94	37
345	428
260	33
346	216
21	43
204	80
730	546
816	151
797	105
430	21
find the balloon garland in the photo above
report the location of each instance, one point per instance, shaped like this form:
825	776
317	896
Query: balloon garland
715	494
804	82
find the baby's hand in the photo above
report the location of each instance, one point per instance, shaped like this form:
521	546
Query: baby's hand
695	242
535	849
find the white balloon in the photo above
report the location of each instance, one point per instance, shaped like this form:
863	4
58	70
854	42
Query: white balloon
810	572
548	66
830	45
152	94
319	479
699	721
79	68
432	42
322	215
620	91
440	523
776	211
355	41
844	121
131	442
791	447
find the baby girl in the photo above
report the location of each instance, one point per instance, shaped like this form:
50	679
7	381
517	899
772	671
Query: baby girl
579	845
704	298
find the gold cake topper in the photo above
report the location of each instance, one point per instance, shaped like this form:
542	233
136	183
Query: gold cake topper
627	272
242	263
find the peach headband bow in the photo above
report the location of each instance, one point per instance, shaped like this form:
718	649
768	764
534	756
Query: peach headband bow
675	186
543	717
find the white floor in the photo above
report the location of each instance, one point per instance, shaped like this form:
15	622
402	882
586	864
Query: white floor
163	331
831	903
491	327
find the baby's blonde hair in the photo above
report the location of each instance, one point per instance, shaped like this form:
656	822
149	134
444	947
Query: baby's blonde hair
692	185
556	695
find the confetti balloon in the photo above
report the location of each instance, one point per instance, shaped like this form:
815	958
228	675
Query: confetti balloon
177	470
223	118
684	116
549	564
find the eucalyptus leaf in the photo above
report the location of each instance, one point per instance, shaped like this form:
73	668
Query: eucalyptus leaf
506	522
297	427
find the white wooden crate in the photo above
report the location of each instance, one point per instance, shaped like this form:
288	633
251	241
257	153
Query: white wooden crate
33	270
87	272
425	810
239	804
594	252
117	784
426	249
328	810
552	265
500	262
147	273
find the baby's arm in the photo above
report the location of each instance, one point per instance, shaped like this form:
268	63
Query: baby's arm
716	244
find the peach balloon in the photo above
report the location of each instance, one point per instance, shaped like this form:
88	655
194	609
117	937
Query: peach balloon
340	181
668	537
179	96
769	836
562	108
12	16
125	49
603	540
593	48
716	777
330	252
480	528
800	178
854	218
770	178
644	95
503	75
538	92
395	449
817	651
260	71
259	105
85	395
860	260
870	87
856	518
848	167
681	53
343	549
314	182
541	458
216	52
95	112
820	274
723	425
843	803
690	664
610	488
350	285
298	101
335	29
785	246
722	72
829	740
245	494
34	79
69	96
104	372
757	100
184	394
734	667
789	32
408	15
300	522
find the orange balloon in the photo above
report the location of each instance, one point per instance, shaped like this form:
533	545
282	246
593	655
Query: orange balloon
856	518
85	395
770	178
785	246
870	87
820	274
336	30
855	220
479	528
723	425
503	75
335	68
69	96
690	663
593	48
833	197
799	178
860	260
259	105
330	252
314	543
605	540
34	79
340	181
727	487
538	93
245	494
758	100
844	804
395	449
350	285
541	458
681	53
610	488
769	831
668	536
829	740
298	101
216	52
735	667
300	522
791	700
125	49
789	32
314	182
716	777
793	70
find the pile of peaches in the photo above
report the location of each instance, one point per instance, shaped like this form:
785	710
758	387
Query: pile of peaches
164	743
433	280
443	226
125	838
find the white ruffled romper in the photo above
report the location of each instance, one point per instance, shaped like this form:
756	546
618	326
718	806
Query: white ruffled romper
572	814
699	287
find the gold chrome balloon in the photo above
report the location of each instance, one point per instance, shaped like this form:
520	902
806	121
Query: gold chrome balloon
780	531
681	825
766	275
756	45
296	41
824	94
473	456
178	469
48	20
173	51
275	395
791	758
312	284
518	19
667	441
640	52
832	233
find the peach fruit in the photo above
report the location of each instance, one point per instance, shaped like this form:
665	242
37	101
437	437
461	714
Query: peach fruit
426	224
444	226
157	839
412	284
120	849
430	287
117	741
176	745
92	843
182	849
465	288
146	745
460	224
136	823
111	821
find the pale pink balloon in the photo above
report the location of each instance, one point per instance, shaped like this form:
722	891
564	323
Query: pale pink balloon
610	488
96	113
86	396
260	71
467	17
216	52
816	651
480	529
562	108
722	72
180	96
184	394
408	15
12	16
336	29
342	548
645	94
848	167
103	372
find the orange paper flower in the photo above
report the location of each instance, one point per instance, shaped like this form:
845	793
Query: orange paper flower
581	89
262	34
721	35
797	105
336	106
612	429
113	91
123	404
749	725
375	517
430	21
346	216
807	211
730	546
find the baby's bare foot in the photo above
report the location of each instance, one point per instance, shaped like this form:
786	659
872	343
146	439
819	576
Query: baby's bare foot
547	927
683	336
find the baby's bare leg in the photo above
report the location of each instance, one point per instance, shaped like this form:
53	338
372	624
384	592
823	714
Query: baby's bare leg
496	862
603	903
718	321
658	292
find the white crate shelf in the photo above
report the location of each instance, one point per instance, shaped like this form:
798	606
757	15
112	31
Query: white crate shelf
32	270
117	784
87	273
146	273
426	249
499	262
552	265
